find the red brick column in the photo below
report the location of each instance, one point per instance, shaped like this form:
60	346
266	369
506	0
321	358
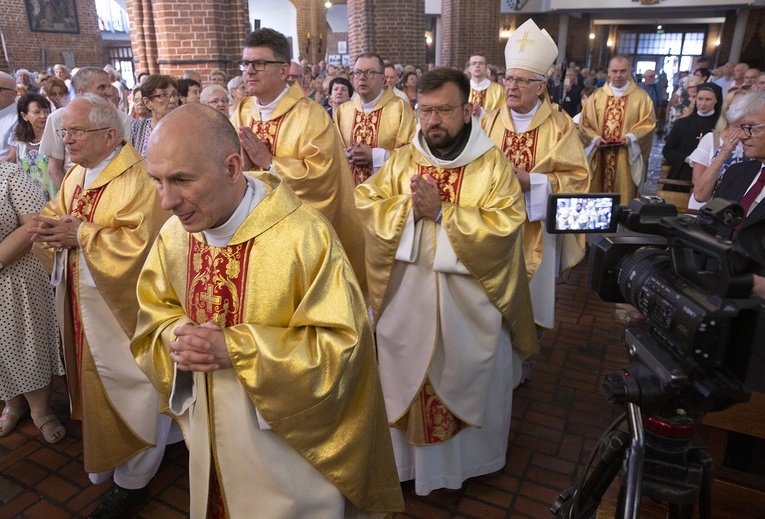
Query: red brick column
468	28
395	29
170	36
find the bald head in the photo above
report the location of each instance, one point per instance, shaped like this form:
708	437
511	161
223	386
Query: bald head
7	90
193	156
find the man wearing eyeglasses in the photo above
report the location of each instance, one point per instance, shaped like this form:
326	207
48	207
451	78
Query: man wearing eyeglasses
375	122
616	129
448	289
543	145
484	93
285	132
88	80
8	116
744	182
96	234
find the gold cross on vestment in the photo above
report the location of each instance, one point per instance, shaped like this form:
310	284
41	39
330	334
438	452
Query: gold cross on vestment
209	298
524	41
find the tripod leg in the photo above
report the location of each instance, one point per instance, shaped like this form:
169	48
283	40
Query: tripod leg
707	478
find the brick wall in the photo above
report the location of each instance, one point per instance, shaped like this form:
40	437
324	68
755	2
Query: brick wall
25	47
170	36
395	29
469	28
312	19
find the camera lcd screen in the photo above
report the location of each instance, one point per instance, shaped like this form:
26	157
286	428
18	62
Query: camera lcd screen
580	213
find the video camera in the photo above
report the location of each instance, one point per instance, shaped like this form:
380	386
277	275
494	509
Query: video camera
704	337
702	348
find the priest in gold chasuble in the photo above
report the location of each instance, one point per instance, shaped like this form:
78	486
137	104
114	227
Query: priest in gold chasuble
485	94
101	226
283	131
373	123
254	331
616	128
449	290
543	146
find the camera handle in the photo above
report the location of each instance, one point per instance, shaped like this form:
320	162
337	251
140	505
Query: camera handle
655	472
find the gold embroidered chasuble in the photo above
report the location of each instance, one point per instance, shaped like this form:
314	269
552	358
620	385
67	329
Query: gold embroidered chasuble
483	211
492	98
121	216
298	336
308	155
550	146
612	118
389	125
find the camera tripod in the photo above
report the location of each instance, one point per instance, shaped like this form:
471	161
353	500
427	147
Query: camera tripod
677	471
658	454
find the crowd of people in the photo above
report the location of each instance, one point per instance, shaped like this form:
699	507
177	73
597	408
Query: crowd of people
332	279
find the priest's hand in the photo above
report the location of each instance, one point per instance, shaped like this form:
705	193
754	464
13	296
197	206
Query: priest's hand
200	348
426	197
255	151
359	155
523	177
60	232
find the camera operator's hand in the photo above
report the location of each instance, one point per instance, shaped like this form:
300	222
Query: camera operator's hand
758	289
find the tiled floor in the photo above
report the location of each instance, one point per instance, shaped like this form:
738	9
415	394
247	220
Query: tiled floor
557	418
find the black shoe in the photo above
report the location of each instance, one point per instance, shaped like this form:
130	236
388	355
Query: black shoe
121	504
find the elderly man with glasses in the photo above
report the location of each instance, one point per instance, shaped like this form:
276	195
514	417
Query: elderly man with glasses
283	131
448	289
87	80
96	234
375	122
543	145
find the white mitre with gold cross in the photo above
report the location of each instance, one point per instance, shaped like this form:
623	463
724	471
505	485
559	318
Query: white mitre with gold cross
530	48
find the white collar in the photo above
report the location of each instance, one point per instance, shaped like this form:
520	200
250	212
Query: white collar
618	92
368	107
705	114
221	235
267	110
521	122
481	85
91	174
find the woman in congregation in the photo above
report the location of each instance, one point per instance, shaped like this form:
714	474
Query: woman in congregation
216	97
340	91
29	336
33	110
159	95
57	93
688	131
718	150
236	91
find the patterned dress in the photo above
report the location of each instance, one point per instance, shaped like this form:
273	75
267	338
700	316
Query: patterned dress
29	336
35	165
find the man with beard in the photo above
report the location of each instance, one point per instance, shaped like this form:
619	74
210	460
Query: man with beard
443	221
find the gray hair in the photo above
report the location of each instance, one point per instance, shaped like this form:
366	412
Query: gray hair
748	103
234	83
103	114
209	91
84	76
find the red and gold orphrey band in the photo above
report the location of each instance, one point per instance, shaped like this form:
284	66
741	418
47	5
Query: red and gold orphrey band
267	132
613	121
366	127
521	148
449	181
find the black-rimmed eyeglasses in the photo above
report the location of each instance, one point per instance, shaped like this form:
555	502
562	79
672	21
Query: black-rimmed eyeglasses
748	129
258	64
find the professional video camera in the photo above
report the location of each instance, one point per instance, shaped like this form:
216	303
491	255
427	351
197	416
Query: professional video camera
701	349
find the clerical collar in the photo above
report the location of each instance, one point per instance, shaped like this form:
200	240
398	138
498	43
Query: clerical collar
91	174
481	85
221	235
367	107
618	92
705	114
459	146
521	122
267	110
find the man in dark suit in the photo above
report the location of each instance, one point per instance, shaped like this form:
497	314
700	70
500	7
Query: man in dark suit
745	182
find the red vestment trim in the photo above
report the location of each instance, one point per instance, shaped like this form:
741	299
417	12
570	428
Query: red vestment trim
478	97
267	131
613	125
521	148
449	181
365	129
